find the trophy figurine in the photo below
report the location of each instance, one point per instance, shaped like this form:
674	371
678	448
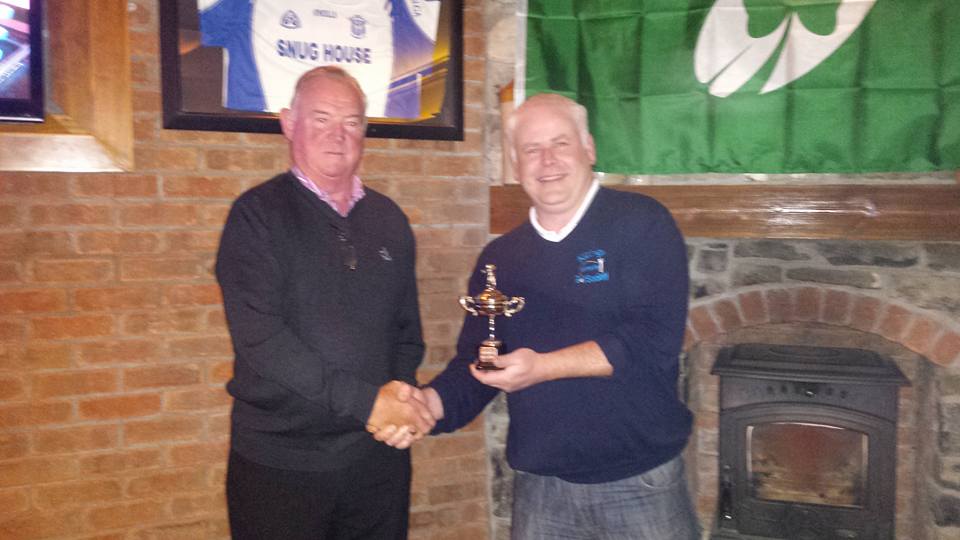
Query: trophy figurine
491	303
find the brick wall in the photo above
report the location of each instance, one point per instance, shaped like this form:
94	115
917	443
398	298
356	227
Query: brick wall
113	348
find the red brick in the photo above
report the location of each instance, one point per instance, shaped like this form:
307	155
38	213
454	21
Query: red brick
32	301
836	307
23	472
157	268
921	335
12	331
13	445
22	245
125	406
76	439
172	159
32	185
72	327
82	493
45	356
34	414
143	43
204	186
145	100
808	303
111	298
11	386
200	347
462	490
200	453
453	166
204	138
220	372
753	307
455	445
203	504
218	425
947	349
97	242
161	322
197	399
34	525
119	352
163	429
72	383
116	185
13	501
193	295
242	160
392	163
214	215
90	270
193	241
125	515
780	305
161	375
894	322
217	321
70	214
10	272
166	482
865	313
8	215
725	312
118	462
702	323
173	215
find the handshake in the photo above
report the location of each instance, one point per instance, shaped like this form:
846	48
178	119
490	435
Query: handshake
403	414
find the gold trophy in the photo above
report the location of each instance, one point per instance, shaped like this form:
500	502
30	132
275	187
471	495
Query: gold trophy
491	303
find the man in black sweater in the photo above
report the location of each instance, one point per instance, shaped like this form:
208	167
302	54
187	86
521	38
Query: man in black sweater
317	274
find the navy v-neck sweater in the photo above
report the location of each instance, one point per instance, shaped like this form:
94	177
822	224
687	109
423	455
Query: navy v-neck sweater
620	278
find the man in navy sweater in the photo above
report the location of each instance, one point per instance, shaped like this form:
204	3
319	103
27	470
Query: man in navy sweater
317	274
596	424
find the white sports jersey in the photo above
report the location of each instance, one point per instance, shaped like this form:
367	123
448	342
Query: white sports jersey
414	41
269	43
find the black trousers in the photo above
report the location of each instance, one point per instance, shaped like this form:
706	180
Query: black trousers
368	500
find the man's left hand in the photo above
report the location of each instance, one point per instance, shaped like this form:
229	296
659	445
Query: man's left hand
522	368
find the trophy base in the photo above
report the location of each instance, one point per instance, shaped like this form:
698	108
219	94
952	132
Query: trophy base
487	344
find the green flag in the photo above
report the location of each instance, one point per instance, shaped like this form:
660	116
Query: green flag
771	86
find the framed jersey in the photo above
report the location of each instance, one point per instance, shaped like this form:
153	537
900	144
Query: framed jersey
231	65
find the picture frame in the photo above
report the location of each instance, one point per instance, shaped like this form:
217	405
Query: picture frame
192	74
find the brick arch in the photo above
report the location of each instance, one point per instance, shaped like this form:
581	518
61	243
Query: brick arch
922	331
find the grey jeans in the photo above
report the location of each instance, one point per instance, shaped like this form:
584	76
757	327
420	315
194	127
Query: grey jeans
654	505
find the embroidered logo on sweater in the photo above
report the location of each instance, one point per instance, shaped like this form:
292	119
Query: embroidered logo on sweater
592	267
384	254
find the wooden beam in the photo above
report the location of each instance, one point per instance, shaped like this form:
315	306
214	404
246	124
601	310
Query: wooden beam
862	212
90	80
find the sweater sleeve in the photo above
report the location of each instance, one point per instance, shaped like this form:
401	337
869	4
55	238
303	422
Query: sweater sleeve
463	396
649	337
251	280
410	339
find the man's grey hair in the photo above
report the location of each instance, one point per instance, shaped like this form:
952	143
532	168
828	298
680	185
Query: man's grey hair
577	112
333	73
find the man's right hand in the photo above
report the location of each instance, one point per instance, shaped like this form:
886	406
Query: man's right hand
400	404
400	437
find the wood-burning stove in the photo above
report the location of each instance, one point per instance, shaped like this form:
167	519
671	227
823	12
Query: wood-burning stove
807	443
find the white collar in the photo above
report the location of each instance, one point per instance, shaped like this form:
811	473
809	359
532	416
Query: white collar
556	236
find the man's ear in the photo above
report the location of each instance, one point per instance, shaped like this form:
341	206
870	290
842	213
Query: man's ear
591	150
287	123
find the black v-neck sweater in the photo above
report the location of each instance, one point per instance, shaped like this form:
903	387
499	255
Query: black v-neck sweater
314	339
